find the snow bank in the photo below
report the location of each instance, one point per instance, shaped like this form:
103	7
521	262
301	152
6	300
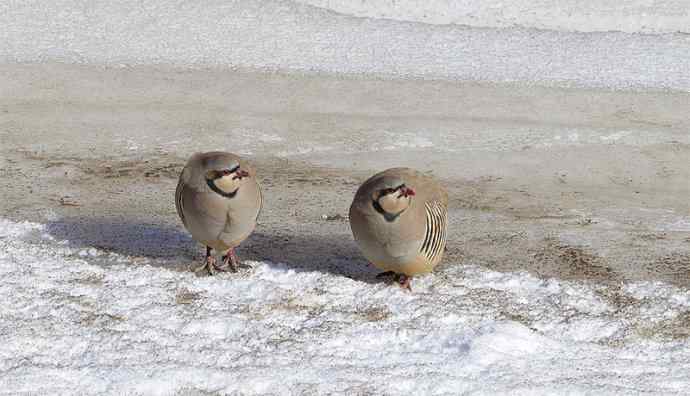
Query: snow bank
293	36
81	320
632	16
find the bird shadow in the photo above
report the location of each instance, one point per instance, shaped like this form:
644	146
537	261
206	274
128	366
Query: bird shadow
171	247
335	254
162	245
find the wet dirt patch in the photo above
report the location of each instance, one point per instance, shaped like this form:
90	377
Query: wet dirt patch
147	168
160	166
677	328
653	236
185	296
476	194
375	314
101	319
617	297
572	262
91	279
675	268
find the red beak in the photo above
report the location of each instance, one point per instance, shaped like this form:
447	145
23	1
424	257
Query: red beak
407	192
240	174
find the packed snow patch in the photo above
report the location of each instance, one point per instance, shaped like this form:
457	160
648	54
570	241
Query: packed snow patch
632	16
299	37
105	322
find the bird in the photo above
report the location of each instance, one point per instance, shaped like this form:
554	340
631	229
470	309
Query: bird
218	200
399	219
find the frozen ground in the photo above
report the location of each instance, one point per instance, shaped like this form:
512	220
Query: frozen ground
632	16
568	267
291	35
83	320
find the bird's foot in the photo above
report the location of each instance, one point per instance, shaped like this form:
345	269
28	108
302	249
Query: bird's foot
232	263
210	266
401	279
404	281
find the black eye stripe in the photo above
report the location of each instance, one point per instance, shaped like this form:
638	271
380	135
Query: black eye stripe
223	172
387	191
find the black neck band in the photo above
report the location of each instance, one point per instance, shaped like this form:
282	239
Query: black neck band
215	189
388	216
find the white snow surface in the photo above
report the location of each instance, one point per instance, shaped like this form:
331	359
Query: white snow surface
632	16
356	38
79	320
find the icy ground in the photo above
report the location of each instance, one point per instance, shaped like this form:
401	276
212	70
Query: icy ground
301	37
631	16
76	319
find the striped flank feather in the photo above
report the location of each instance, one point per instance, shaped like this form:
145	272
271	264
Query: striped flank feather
261	204
435	234
178	202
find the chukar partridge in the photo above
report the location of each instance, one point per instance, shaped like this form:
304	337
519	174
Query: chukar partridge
399	220
218	200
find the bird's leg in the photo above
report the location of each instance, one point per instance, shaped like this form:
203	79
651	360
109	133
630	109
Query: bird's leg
401	279
404	281
231	262
209	263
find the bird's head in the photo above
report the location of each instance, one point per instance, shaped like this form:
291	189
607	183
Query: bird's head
225	177
392	196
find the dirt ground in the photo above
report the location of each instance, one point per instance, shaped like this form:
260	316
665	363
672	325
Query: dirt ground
574	184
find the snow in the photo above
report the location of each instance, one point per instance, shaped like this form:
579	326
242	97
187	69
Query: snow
631	16
438	138
77	319
299	37
680	224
